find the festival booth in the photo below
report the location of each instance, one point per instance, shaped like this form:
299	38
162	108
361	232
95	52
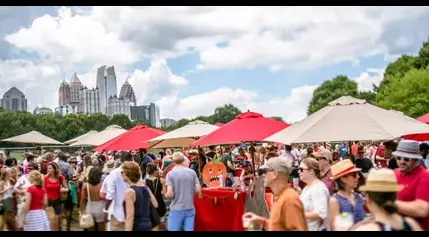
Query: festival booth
219	208
96	139
33	137
71	141
349	119
133	139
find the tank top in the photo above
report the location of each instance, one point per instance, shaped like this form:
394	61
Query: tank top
385	227
141	209
357	211
166	164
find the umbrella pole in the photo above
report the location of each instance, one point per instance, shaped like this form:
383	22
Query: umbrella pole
199	162
252	154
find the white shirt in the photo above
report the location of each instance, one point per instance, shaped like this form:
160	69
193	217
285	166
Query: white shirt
22	184
114	187
315	198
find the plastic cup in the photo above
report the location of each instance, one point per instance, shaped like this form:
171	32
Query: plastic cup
246	221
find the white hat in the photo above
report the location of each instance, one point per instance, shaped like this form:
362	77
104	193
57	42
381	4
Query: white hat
408	149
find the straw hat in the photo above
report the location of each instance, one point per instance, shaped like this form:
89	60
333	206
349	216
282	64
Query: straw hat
381	180
342	168
408	149
109	166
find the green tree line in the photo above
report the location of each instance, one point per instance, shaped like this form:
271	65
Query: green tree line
405	87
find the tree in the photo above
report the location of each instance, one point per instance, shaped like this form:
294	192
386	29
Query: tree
408	94
278	119
330	90
422	61
224	114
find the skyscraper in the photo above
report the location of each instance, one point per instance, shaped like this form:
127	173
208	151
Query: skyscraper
106	84
127	92
89	101
75	87
14	100
64	94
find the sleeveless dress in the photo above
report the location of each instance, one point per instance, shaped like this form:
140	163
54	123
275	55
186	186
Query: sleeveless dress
385	227
155	187
356	211
141	209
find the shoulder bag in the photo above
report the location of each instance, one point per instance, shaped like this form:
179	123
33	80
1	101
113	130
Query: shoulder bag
86	220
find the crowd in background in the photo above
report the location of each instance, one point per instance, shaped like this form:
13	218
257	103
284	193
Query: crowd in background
127	190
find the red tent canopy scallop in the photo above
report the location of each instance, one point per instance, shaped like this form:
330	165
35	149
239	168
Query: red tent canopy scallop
246	127
133	139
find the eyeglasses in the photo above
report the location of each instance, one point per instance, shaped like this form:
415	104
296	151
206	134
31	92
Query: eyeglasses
402	158
302	169
321	158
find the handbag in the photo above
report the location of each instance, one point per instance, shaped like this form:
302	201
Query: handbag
86	220
155	219
63	195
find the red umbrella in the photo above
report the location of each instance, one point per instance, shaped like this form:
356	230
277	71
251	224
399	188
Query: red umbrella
417	137
424	118
133	139
246	127
219	124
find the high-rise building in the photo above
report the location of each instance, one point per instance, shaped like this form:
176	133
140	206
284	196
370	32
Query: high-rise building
14	100
89	101
75	87
66	109
117	105
127	92
42	110
64	94
149	113
106	83
167	122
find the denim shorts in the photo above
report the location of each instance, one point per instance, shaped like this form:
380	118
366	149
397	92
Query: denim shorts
179	220
56	205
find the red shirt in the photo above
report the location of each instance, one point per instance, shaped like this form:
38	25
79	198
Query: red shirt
53	188
37	195
415	187
239	157
379	151
355	149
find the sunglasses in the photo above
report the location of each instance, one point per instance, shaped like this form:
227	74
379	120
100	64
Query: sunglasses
321	158
302	169
401	158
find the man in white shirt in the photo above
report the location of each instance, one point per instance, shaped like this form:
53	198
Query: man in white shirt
114	188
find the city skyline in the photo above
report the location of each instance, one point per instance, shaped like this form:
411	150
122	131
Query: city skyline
190	60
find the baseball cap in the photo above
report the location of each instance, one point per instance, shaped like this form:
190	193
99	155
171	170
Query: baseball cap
279	164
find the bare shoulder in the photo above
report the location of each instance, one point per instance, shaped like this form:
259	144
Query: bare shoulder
413	224
129	192
333	202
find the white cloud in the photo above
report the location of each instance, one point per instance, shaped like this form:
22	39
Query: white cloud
369	77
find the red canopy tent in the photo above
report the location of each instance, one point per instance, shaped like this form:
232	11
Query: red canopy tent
246	127
419	137
133	139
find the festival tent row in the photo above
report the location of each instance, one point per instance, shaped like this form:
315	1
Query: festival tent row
349	119
71	141
96	139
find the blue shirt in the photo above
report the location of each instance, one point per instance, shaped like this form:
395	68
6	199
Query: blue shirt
344	149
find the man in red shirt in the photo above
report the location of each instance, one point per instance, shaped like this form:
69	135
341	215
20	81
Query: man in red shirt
413	199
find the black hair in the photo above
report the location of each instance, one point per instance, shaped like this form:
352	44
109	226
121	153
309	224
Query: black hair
126	156
288	148
151	168
94	176
391	145
340	185
29	158
62	156
309	150
38	148
384	200
424	147
211	148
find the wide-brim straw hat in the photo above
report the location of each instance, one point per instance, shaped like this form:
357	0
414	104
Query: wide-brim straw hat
109	166
342	168
381	180
408	149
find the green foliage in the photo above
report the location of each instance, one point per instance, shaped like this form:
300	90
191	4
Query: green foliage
408	94
278	119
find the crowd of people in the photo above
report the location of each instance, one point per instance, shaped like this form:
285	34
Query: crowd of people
367	186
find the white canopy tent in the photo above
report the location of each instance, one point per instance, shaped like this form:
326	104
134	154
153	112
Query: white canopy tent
80	137
349	119
99	138
184	136
32	137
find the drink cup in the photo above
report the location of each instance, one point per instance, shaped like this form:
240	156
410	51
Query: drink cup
246	221
344	221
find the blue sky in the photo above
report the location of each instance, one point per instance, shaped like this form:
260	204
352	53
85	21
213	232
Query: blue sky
189	60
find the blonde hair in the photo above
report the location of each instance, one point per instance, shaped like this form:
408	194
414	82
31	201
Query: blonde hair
35	178
312	164
168	152
132	170
178	158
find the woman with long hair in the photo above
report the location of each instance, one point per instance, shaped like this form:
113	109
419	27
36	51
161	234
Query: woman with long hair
35	216
55	184
345	206
381	188
314	196
158	188
6	194
95	204
167	159
137	199
21	191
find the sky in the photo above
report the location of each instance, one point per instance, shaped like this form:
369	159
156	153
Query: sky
190	60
